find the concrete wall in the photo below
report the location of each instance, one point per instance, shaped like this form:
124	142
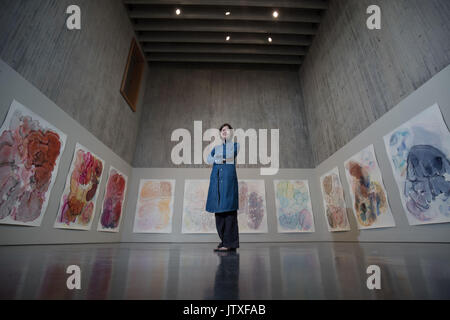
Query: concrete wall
15	87
180	175
80	71
246	97
349	103
351	70
436	90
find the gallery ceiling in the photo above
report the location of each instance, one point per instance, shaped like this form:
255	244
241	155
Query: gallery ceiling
226	31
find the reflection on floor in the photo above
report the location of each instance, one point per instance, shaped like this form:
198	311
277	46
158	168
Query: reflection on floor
257	271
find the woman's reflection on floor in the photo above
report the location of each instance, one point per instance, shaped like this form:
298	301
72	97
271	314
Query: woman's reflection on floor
226	283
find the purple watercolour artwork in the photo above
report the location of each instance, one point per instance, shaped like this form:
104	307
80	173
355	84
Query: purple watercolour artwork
113	202
252	213
419	154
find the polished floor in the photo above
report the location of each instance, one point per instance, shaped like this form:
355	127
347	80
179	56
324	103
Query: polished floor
256	271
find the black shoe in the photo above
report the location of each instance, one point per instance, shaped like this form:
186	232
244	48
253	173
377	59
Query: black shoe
224	250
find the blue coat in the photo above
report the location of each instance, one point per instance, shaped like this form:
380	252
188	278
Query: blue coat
223	192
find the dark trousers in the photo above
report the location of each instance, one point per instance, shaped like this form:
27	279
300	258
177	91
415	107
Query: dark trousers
227	228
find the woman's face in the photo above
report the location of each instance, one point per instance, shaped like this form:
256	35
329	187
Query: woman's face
225	133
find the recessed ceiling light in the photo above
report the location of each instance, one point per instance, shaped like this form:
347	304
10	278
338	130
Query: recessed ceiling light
228	38
178	12
227	13
275	14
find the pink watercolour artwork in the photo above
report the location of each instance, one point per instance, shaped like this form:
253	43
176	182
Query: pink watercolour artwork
30	152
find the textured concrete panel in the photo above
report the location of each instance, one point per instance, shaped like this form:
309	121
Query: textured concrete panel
352	75
266	98
81	71
13	86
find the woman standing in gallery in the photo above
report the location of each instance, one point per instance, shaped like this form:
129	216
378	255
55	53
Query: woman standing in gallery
223	195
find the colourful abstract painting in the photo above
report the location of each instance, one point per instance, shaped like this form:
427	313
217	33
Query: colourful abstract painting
195	218
113	202
78	201
419	153
30	151
252	213
154	210
293	204
369	199
334	202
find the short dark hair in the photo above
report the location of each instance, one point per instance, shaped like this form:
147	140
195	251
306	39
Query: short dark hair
225	125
